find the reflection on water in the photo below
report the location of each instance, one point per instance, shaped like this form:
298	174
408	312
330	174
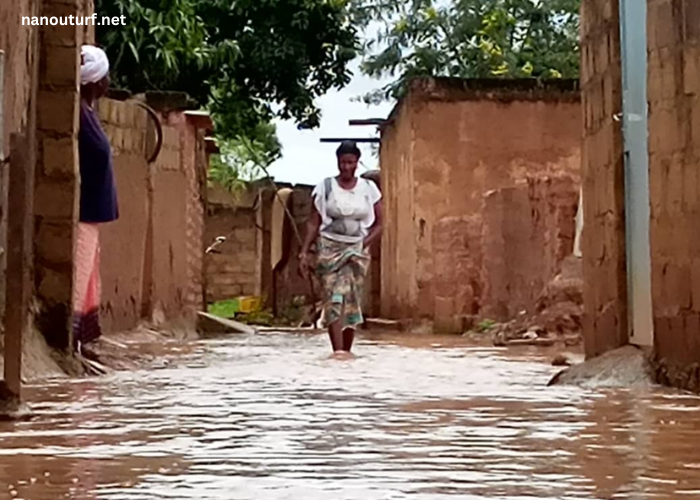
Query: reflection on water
268	417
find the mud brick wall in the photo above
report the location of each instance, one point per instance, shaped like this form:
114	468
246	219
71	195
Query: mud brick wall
674	163
169	220
124	242
398	273
447	144
56	191
536	214
20	45
152	257
233	270
196	175
603	242
288	284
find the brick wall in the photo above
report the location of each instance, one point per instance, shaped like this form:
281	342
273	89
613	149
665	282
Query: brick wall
603	242
56	192
674	160
233	270
446	145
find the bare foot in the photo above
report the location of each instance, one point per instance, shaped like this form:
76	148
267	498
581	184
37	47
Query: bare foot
342	355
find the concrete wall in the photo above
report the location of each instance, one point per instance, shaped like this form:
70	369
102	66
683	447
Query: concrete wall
448	144
674	162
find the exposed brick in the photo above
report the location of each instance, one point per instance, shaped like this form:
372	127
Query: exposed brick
665	120
657	183
602	56
691	69
60	157
691	11
695	284
673	195
663	84
54	241
691	185
114	113
55	199
56	286
246	237
58	111
77	5
61	35
665	30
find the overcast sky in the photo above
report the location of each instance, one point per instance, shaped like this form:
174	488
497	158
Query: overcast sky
305	160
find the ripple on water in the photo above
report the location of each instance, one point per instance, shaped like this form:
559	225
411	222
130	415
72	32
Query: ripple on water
271	417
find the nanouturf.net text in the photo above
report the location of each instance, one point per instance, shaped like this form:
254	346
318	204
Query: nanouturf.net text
92	20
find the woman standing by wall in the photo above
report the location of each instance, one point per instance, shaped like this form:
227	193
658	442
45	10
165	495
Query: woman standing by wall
346	220
98	196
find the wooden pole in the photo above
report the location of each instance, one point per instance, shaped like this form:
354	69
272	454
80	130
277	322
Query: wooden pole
18	280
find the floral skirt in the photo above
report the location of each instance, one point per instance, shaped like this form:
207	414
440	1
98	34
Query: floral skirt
342	268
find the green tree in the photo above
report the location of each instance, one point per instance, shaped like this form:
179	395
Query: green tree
247	60
244	158
468	39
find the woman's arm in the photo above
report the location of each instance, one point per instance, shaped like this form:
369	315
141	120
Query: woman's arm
376	230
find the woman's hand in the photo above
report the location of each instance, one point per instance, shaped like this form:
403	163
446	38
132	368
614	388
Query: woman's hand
304	264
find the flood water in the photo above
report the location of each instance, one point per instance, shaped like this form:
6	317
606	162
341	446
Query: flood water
269	417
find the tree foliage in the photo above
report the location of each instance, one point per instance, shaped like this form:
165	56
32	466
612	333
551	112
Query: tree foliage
469	39
244	158
248	60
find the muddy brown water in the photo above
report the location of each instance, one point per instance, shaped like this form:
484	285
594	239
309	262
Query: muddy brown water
269	417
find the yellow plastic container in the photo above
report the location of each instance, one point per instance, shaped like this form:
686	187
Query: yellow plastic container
248	305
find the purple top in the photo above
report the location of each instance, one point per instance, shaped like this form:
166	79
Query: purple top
98	194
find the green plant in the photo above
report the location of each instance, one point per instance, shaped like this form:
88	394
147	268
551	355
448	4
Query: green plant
244	159
226	309
485	325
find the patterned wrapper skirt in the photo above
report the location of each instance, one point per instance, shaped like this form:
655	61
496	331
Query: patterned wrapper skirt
87	290
342	268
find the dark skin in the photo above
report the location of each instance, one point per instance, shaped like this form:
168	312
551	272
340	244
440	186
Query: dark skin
341	340
90	93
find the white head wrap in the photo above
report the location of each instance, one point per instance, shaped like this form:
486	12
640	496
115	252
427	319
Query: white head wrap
95	65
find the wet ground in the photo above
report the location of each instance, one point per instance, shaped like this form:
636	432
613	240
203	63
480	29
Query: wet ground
269	417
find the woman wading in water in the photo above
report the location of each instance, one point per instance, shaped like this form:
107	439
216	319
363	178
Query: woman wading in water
345	221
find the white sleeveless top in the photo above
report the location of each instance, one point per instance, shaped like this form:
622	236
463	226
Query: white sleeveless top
346	214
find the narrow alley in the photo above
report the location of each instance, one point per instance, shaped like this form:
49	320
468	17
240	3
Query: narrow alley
269	417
